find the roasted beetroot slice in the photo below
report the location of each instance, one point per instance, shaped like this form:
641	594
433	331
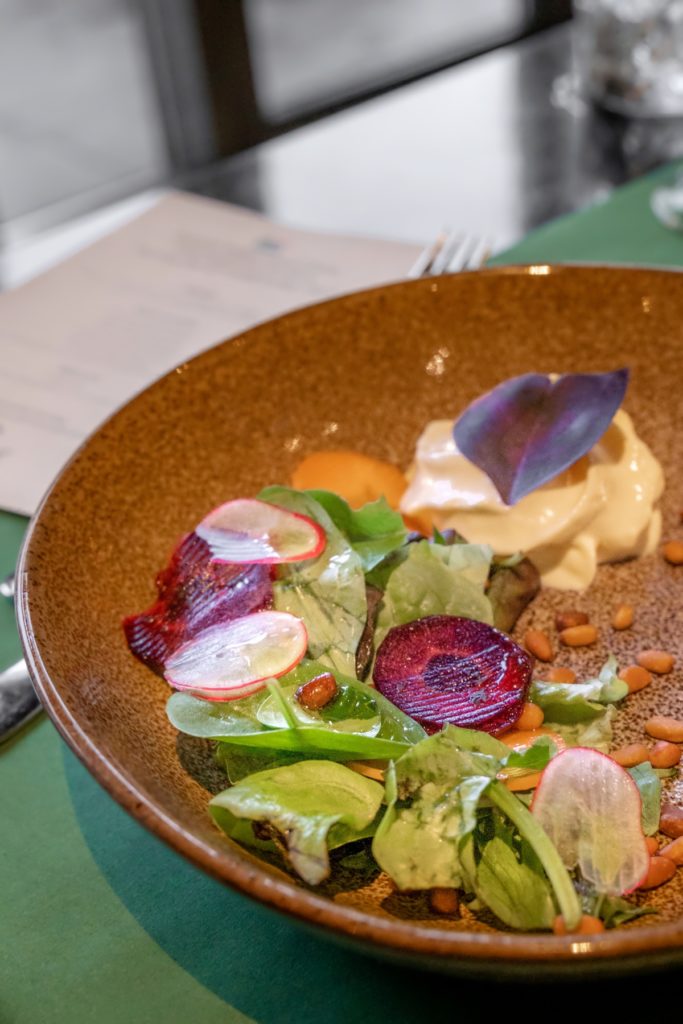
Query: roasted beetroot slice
194	593
447	670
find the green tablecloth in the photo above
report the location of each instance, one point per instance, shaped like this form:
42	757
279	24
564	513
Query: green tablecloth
99	921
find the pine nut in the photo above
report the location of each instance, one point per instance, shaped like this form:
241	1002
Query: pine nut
662	728
579	636
588	925
531	717
538	644
659	662
665	755
560	675
671	820
653	846
565	620
661	870
444	901
623	617
673	552
630	755
674	851
317	692
636	677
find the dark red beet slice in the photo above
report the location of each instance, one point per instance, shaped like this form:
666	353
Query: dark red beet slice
444	669
194	593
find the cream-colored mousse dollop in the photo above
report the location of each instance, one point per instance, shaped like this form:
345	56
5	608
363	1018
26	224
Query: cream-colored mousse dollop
601	509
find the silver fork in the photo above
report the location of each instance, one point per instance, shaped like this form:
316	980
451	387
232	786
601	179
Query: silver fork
18	701
451	252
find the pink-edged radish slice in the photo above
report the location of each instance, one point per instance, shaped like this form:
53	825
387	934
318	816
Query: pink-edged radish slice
234	659
249	530
590	808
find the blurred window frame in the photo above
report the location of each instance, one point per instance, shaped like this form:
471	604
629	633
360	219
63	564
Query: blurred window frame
202	66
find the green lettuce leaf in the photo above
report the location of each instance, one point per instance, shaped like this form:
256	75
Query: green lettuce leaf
434	579
373	531
650	789
516	892
307	808
596	733
432	794
327	592
427	836
569	703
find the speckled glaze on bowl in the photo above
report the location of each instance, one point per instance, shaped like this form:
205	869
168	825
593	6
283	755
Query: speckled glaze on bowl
364	372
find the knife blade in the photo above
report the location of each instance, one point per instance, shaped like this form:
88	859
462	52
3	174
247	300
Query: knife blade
18	701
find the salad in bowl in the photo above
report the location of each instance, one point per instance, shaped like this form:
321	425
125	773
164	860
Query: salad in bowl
360	654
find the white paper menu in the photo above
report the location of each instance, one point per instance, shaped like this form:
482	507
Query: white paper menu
78	341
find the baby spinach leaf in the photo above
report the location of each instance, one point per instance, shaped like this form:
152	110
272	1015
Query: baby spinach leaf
327	592
308	807
373	531
237	722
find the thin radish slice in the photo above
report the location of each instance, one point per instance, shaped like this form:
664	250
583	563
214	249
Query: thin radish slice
249	530
590	807
234	659
194	593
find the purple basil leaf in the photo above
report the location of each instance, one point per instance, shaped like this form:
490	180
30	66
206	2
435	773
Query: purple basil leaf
530	428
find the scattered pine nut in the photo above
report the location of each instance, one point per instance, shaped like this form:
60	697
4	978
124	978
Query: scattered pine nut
317	692
671	820
662	728
557	674
674	851
653	846
659	662
661	870
630	755
636	677
565	620
531	717
588	925
444	901
673	552
665	755
623	617
579	636
538	644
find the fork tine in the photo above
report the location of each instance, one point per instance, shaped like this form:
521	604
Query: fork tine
425	261
451	253
480	253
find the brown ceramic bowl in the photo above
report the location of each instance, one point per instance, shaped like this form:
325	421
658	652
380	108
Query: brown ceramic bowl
364	372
